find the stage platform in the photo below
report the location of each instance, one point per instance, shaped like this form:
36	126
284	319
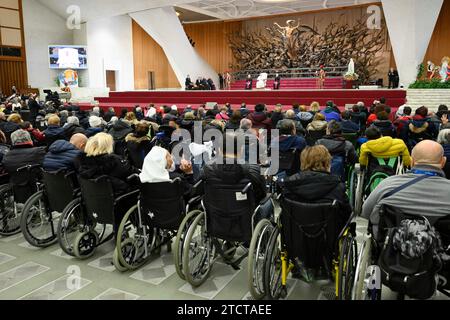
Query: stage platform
287	98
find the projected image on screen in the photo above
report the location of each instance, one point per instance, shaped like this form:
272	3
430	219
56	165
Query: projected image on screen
67	57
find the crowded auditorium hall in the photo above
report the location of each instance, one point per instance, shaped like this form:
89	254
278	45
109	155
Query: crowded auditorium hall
202	151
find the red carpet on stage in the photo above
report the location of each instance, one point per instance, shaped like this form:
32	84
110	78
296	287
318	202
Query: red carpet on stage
287	98
294	83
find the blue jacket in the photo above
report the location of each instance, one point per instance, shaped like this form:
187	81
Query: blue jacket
54	131
349	126
90	132
61	155
331	114
287	143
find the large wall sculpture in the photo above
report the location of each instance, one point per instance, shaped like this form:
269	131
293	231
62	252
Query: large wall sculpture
297	45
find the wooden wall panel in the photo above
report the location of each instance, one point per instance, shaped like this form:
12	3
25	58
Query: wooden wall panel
12	73
211	42
149	56
440	41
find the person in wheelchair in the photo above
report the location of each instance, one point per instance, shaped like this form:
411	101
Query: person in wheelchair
342	151
229	171
22	152
315	184
65	155
289	145
427	162
159	166
99	160
383	147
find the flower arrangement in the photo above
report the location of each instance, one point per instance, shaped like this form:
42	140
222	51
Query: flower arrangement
351	76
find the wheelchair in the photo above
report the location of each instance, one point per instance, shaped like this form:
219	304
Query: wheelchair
153	223
289	164
225	224
364	180
42	210
83	223
368	282
305	238
23	183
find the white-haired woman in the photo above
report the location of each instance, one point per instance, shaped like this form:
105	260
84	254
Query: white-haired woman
159	166
99	160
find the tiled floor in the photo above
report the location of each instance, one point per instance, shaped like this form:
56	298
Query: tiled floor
41	274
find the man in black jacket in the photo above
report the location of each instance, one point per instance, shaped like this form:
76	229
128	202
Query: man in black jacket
230	172
65	155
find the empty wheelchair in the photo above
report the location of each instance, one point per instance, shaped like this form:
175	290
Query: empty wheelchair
383	264
83	224
365	179
42	210
153	223
229	216
308	238
23	183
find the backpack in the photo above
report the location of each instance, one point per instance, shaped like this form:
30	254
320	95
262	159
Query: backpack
409	261
384	169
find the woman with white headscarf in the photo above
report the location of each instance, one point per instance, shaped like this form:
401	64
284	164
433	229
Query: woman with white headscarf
159	166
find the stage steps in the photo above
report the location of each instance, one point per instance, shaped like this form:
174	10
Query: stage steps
293	83
430	98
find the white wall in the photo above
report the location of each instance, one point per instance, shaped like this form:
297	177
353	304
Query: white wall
164	26
80	39
42	28
410	24
110	47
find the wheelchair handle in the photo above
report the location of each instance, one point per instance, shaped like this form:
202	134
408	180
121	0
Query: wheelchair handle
247	187
28	167
198	184
132	177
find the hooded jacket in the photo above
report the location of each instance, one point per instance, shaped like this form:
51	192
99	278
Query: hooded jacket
62	155
384	147
138	148
154	167
260	120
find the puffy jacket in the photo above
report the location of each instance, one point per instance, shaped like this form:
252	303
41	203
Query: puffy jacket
384	147
62	155
349	126
386	127
120	130
287	143
317	126
331	114
53	133
260	121
20	156
111	165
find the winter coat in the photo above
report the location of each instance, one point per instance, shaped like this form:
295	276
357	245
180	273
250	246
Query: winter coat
71	129
90	132
386	127
338	146
111	165
359	118
313	187
62	155
138	148
260	120
231	174
349	126
384	147
53	133
447	155
287	143
317	126
20	156
276	117
331	114
120	130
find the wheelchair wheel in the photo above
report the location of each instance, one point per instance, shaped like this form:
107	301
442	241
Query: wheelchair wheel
85	244
198	252
37	224
9	212
134	240
359	195
180	239
352	186
360	289
273	286
70	223
116	262
257	258
347	267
